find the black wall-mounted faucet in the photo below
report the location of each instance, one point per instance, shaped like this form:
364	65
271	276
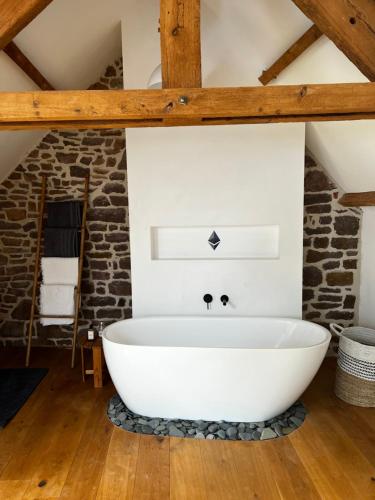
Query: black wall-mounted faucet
208	299
224	299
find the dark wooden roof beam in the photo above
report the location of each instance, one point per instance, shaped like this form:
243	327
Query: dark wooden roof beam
366	199
27	66
350	24
180	41
290	55
177	107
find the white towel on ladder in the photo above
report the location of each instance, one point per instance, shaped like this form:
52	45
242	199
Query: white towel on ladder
55	300
60	270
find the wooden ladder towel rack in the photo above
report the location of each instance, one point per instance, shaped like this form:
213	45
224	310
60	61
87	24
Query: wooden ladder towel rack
77	295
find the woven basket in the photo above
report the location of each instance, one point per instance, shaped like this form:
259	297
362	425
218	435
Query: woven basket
355	375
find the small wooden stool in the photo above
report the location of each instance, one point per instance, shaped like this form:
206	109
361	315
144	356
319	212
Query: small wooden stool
98	363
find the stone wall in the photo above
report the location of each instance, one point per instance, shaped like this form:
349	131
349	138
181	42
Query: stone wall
65	157
331	251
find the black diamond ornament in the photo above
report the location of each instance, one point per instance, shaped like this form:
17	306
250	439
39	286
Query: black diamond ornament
214	240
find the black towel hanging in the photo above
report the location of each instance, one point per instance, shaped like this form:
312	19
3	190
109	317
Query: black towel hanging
64	214
61	242
62	230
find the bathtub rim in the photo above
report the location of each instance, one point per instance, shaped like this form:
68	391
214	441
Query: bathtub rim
324	330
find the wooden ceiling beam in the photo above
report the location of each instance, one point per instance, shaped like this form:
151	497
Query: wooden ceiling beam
180	43
15	15
350	24
171	107
366	199
27	66
290	55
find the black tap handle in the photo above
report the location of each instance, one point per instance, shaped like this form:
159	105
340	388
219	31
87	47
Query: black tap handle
208	299
224	299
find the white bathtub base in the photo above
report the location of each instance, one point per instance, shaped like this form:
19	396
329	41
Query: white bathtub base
236	382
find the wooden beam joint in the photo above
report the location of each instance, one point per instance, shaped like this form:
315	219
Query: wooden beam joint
15	15
350	24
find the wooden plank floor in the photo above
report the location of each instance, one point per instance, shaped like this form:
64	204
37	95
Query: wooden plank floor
63	438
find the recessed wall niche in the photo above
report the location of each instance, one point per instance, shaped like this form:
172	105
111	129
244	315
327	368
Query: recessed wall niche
220	243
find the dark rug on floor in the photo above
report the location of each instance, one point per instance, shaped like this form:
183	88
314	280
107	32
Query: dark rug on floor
16	385
282	425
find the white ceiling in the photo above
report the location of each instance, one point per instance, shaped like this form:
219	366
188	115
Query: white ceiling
72	41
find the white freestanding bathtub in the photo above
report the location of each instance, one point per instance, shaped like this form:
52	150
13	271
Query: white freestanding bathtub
238	369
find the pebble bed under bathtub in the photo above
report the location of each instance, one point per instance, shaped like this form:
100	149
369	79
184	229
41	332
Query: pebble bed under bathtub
279	426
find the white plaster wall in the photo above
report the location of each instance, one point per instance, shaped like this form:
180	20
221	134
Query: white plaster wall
212	176
217	176
367	291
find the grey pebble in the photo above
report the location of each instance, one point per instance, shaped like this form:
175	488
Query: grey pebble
296	421
203	426
278	429
241	427
142	421
173	431
224	425
126	426
267	433
232	432
244	436
154	423
199	435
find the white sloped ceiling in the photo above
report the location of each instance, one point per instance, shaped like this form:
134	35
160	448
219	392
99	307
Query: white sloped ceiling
70	42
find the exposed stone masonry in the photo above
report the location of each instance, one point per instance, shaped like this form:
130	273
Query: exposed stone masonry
65	157
331	251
